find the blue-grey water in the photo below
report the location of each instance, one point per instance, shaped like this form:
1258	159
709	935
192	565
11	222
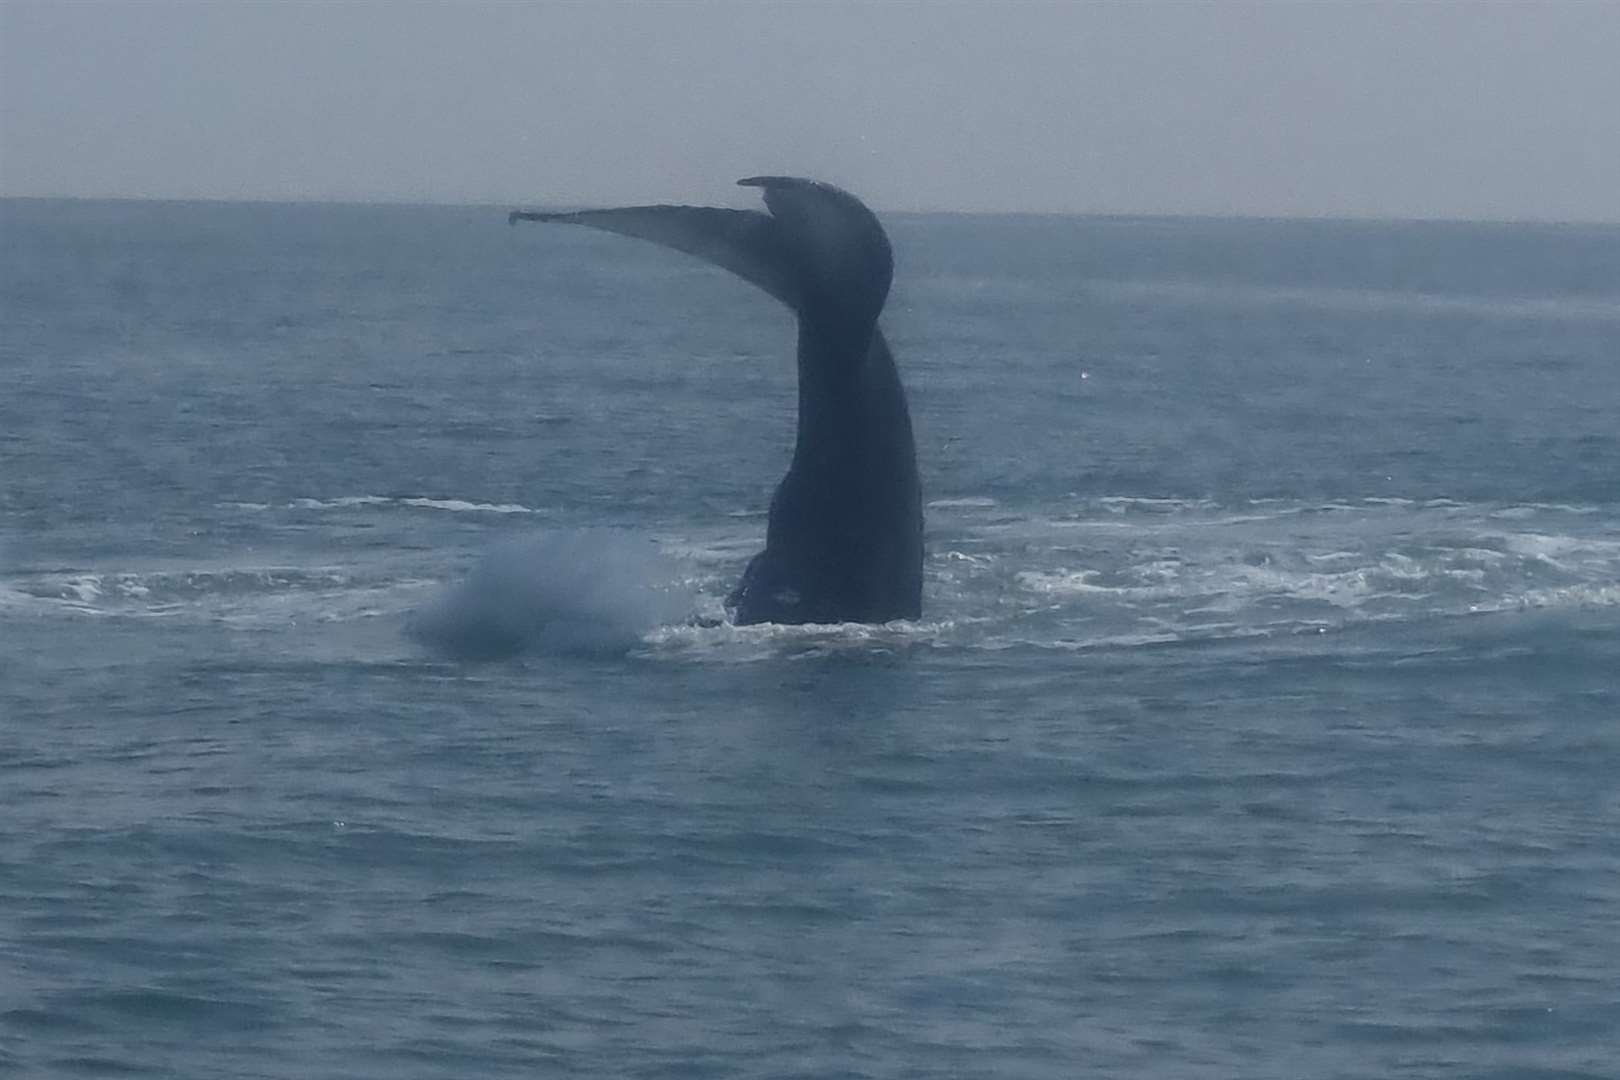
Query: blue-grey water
1263	719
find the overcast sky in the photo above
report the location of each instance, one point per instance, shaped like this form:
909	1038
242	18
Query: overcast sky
1468	109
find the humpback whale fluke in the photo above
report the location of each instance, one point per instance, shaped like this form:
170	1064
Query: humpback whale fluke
844	539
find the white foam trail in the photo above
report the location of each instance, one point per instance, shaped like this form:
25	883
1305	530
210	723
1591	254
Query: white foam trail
419	502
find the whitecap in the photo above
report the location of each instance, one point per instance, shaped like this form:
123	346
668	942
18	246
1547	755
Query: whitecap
462	506
966	502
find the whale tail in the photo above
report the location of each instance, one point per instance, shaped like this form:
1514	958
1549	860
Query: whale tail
844	538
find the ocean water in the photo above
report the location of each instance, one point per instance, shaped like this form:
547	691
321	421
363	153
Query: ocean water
1263	719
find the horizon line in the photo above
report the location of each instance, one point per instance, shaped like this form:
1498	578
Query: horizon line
1118	215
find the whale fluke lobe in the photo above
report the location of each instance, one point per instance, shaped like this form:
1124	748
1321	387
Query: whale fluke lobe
742	241
844	540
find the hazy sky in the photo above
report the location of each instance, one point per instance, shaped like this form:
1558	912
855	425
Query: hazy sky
1469	109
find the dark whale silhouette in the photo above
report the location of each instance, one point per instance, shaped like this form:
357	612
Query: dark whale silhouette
845	538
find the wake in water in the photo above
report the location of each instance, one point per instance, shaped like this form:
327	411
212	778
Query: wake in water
583	592
1102	574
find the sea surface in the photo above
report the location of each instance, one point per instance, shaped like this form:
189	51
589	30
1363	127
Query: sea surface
367	707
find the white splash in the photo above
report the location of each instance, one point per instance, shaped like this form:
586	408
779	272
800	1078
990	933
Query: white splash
582	592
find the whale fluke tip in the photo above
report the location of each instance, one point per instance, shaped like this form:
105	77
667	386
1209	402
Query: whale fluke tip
529	215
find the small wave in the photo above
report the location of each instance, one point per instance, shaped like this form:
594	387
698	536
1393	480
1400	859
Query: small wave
339	503
1560	550
1068	582
146	585
1120	504
462	506
965	557
1559	309
729	551
1564	597
22	601
967	502
241	597
419	502
729	642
